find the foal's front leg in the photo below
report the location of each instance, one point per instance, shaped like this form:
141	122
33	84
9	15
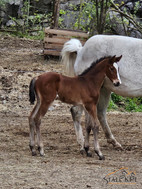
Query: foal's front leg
95	128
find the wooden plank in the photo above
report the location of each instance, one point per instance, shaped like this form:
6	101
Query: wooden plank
58	40
60	37
53	46
55	40
66	33
51	52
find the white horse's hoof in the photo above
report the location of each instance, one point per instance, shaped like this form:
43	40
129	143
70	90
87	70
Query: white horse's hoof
118	147
115	144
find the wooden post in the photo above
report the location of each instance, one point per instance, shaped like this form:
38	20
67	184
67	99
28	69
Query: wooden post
56	10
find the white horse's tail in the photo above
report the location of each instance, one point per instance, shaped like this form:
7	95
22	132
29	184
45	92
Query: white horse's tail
69	54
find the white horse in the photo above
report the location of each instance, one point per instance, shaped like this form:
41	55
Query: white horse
77	58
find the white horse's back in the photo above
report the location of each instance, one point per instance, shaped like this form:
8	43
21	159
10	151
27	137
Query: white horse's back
108	45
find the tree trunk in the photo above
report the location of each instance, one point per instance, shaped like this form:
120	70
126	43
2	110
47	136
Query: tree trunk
56	10
100	17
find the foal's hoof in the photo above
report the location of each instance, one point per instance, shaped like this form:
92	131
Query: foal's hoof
82	151
41	151
34	153
42	154
101	157
89	154
33	150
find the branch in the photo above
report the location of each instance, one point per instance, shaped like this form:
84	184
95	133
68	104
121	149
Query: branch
131	19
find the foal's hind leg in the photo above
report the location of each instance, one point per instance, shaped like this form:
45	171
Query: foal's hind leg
32	127
41	112
34	122
76	112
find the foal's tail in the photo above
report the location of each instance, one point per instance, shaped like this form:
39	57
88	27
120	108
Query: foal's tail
32	91
69	54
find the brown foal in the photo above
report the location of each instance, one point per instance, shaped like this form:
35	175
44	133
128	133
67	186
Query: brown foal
83	89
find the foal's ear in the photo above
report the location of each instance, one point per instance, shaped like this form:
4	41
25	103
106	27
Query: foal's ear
112	59
117	59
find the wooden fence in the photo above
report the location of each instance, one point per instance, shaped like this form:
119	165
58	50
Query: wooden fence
54	40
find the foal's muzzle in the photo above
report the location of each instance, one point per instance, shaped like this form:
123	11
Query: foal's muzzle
116	83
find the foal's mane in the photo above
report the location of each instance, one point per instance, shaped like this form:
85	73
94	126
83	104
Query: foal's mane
93	65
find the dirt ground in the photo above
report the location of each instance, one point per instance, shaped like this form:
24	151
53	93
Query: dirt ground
62	166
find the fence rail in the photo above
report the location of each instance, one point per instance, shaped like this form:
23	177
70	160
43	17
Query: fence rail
54	40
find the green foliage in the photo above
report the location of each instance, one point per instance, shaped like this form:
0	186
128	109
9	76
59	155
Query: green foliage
3	2
137	5
125	104
112	106
62	12
28	25
90	16
94	17
82	20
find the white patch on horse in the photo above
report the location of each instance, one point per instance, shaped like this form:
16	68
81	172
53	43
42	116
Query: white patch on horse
116	67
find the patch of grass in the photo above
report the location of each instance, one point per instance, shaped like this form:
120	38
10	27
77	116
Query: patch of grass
125	104
38	36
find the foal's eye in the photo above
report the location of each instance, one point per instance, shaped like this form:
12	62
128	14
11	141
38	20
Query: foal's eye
111	69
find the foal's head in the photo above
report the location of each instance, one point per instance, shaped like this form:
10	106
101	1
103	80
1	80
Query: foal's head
112	70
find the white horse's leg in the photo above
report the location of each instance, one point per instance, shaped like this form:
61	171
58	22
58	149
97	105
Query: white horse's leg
101	109
76	112
88	126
